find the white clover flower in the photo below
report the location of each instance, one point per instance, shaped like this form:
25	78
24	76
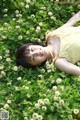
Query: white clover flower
44	108
59	98
5	24
59	80
41	37
23	86
76	111
42	70
26	88
6	106
78	63
37	29
40	117
22	4
27	1
62	87
27	32
19	15
40	101
28	95
56	104
53	81
57	93
47	62
17	27
19	78
1	67
9	83
0	57
40	76
1	109
15	68
54	88
3	73
25	118
39	40
17	11
70	116
20	21
37	105
16	88
79	79
5	10
9	28
32	15
8	59
43	8
35	116
49	70
78	6
5	15
57	0
50	13
61	102
14	19
56	98
7	51
27	6
52	108
53	18
20	37
8	101
40	24
1	29
46	101
20	68
3	37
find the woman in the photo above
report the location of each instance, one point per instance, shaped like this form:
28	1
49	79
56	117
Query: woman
63	48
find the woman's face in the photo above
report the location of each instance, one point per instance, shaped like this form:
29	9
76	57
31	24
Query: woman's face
37	54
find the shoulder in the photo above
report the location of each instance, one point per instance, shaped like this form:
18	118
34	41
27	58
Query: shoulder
52	37
55	32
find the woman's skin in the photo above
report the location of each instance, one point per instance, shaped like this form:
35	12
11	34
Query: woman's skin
39	54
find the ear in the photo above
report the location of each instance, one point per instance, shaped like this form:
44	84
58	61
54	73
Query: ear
55	41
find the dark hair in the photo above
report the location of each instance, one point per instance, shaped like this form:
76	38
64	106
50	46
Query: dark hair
22	58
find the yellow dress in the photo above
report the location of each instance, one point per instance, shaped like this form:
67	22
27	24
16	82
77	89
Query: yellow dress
70	43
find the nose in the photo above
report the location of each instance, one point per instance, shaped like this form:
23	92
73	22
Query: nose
36	52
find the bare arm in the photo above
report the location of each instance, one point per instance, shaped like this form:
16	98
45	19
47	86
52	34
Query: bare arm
65	66
73	20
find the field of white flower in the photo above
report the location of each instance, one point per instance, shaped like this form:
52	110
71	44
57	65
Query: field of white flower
43	93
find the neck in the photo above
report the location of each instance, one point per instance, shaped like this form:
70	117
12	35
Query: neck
49	52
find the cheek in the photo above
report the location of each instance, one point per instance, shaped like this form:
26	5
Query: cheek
38	59
41	59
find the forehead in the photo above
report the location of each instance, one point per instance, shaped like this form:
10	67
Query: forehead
35	46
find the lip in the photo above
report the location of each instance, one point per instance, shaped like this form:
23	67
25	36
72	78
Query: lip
41	53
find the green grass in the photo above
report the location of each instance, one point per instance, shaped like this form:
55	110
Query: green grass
43	93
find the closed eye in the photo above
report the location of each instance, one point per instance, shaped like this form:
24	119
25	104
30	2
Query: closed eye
32	49
33	59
